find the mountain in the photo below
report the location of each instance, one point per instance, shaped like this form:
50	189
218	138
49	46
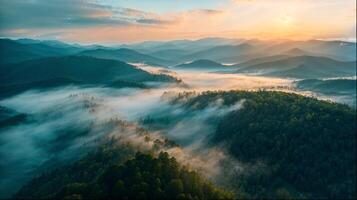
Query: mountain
53	43
59	71
125	55
104	175
295	52
189	46
13	89
13	51
169	54
220	53
341	90
339	50
303	67
201	64
260	60
333	86
60	44
287	141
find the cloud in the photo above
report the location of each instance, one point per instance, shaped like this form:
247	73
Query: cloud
153	21
69	14
208	11
114	22
55	14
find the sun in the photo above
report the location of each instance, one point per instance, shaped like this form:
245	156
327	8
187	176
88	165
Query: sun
286	19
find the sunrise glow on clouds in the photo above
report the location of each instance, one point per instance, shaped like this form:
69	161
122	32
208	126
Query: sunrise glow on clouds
109	21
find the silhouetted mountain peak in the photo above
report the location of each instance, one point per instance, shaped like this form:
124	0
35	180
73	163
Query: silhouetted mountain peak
201	64
295	52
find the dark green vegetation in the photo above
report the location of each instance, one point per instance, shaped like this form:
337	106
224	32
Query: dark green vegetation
344	90
13	89
85	69
288	145
73	70
293	145
123	84
10	118
306	67
339	86
32	64
105	174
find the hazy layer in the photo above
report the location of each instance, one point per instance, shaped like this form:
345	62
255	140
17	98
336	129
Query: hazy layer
64	123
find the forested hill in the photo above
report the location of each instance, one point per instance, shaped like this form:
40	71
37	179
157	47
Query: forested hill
53	72
104	174
300	145
80	68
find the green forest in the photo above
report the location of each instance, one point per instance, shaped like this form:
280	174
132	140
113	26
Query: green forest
291	146
116	173
297	146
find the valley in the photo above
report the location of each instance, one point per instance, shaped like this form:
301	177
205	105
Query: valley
173	119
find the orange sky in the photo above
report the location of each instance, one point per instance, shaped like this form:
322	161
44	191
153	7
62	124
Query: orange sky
263	19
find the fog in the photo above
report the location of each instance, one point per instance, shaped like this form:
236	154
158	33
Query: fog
64	123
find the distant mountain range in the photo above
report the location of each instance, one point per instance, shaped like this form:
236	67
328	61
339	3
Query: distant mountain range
188	46
295	59
221	53
234	51
125	55
178	51
299	67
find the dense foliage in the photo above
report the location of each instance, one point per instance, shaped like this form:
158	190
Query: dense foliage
298	145
10	118
105	175
333	86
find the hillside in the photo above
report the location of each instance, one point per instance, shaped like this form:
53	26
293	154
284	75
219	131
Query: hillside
73	70
10	118
187	46
289	141
338	50
295	52
79	68
201	64
169	54
303	67
333	86
104	174
12	89
220	53
14	52
260	60
125	55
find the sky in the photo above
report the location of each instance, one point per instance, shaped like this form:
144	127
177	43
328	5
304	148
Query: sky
129	21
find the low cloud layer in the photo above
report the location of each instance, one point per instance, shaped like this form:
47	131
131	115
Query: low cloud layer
64	123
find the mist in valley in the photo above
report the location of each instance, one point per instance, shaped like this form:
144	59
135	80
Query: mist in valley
64	123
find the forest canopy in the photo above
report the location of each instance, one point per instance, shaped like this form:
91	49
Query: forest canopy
301	144
101	176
